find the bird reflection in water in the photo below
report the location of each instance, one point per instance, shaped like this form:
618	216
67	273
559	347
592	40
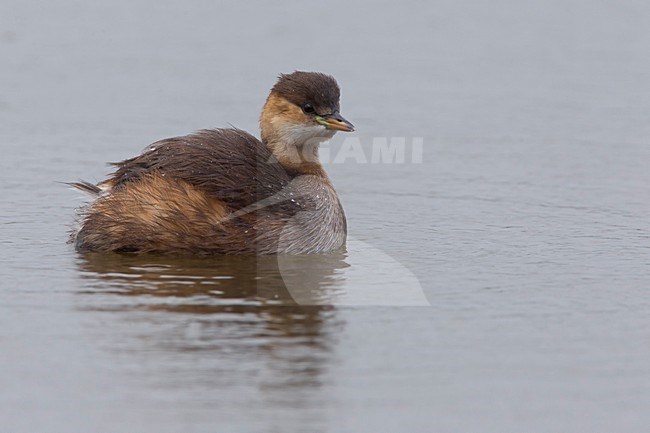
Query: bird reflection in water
223	283
242	310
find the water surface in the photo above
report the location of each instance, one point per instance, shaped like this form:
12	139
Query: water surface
500	285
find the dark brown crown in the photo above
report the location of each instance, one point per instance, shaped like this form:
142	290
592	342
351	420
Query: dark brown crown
319	90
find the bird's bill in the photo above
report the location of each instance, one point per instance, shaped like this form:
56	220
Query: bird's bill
335	121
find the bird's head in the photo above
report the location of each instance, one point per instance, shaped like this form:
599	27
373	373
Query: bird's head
302	110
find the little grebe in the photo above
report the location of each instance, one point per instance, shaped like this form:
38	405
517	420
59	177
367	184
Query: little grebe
223	191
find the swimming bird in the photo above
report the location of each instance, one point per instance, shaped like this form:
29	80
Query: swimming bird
223	191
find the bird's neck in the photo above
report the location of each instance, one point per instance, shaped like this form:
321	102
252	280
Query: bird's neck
294	145
296	159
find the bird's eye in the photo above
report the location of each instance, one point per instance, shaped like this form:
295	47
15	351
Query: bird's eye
307	108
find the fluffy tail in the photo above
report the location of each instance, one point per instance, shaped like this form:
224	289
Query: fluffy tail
86	187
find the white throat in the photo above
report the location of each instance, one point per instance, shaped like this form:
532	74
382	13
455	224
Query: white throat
298	144
301	135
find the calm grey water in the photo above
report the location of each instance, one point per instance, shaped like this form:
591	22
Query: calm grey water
502	285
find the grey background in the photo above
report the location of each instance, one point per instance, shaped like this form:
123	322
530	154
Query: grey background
526	225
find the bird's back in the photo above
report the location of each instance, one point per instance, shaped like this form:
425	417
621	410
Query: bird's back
215	191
